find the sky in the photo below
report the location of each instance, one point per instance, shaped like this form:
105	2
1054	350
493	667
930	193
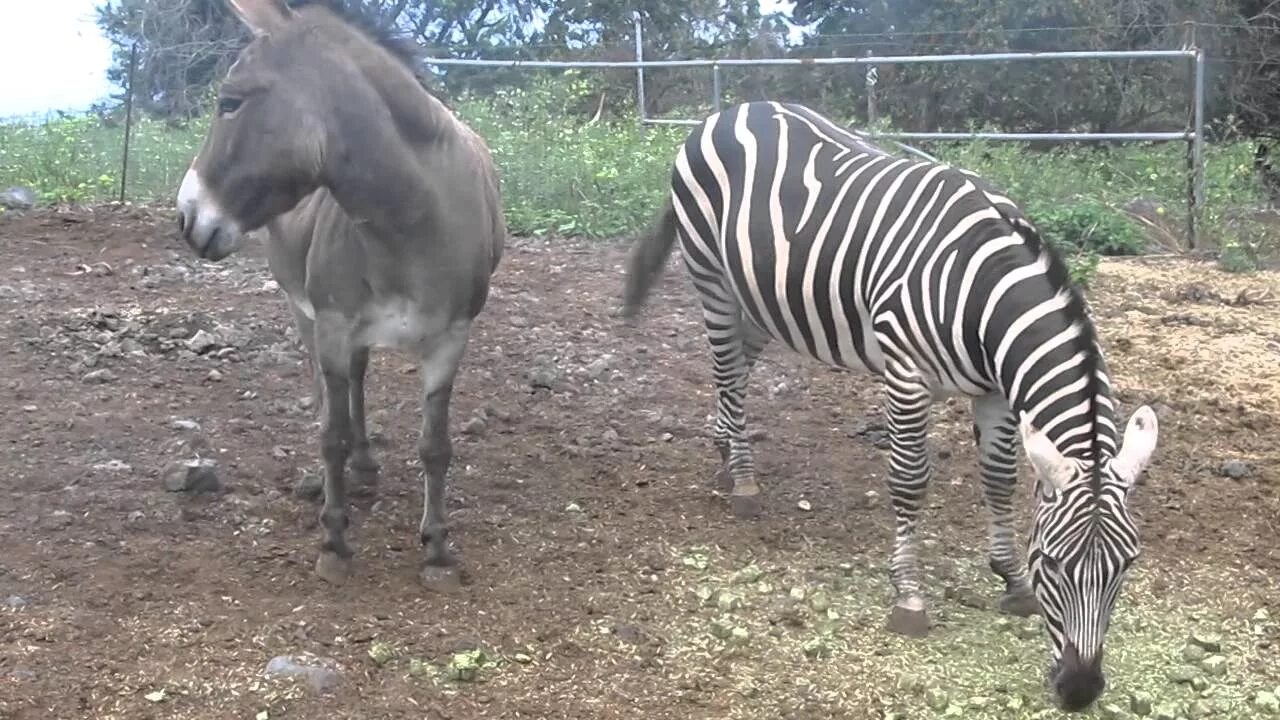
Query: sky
52	56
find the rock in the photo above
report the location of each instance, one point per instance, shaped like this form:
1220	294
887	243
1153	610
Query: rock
202	342
1165	711
609	435
474	427
1141	703
805	505
18	198
136	516
1235	469
101	376
1267	703
321	679
193	476
740	635
1028	629
1182	675
746	575
1210	641
543	377
911	684
819	601
15	601
214	376
816	648
1214	665
381	652
1199	683
190	425
599	366
1199	709
1193	653
728	602
720	629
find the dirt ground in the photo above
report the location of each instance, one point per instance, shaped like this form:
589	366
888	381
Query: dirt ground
581	511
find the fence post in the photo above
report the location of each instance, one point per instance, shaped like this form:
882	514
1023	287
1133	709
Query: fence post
872	76
1197	152
128	119
640	70
715	88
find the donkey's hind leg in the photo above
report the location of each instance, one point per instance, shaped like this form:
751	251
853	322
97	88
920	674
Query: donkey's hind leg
435	450
363	465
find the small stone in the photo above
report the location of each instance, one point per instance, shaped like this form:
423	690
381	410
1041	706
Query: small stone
746	575
214	376
15	601
1194	653
1110	711
1267	703
911	684
136	516
18	198
1015	703
381	652
1141	703
543	377
978	703
1199	683
820	602
474	427
666	437
1182	675
609	435
1235	469
739	635
816	648
310	487
1029	630
1262	616
193	476
870	498
189	425
757	435
522	658
728	602
1165	711
936	699
598	367
418	667
320	679
101	376
1210	641
720	630
1214	665
573	507
1199	709
805	505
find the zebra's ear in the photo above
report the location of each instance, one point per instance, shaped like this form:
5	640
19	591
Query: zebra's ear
1053	469
1139	444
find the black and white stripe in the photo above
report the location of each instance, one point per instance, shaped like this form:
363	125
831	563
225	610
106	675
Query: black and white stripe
797	230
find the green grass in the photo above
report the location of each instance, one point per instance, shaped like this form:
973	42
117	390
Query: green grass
565	176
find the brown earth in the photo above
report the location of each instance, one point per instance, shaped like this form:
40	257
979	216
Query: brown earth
572	507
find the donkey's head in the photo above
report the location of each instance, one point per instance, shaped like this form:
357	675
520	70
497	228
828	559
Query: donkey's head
1082	542
288	114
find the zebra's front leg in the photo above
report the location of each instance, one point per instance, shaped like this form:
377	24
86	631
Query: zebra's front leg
995	432
907	411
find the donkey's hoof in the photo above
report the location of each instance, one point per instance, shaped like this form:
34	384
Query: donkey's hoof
745	507
441	579
1021	604
332	567
912	623
723	480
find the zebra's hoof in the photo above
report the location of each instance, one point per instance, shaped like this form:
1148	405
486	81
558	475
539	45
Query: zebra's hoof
911	623
745	507
723	479
1019	604
446	579
332	567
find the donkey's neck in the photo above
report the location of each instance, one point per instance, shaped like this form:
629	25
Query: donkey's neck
383	175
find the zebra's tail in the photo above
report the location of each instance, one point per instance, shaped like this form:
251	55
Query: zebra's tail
648	256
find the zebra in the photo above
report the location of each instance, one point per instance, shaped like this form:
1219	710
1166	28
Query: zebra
797	230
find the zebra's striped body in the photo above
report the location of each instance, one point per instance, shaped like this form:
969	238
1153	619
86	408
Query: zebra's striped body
796	230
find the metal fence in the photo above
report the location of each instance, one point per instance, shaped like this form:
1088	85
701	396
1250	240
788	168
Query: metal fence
1192	134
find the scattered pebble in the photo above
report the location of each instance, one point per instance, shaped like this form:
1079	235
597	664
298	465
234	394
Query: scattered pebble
1141	703
474	427
321	679
193	476
805	505
310	487
1235	469
15	601
99	377
1193	653
1210	641
1214	665
1182	675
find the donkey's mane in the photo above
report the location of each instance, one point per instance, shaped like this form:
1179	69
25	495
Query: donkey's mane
386	35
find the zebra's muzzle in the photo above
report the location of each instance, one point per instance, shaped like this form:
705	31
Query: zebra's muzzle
1076	682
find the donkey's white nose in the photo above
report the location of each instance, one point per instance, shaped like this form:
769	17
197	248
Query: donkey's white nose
202	223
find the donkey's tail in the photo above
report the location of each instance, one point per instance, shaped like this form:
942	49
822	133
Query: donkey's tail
648	256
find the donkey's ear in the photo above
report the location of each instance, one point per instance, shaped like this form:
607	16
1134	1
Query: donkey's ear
262	16
1053	469
1138	446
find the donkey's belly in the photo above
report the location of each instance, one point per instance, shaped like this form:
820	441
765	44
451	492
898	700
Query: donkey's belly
399	323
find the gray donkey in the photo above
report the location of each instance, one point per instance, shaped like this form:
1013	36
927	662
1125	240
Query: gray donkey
384	222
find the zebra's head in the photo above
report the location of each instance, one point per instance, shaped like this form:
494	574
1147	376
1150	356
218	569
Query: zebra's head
1082	542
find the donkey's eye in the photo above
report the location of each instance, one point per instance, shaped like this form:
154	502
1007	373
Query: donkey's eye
228	105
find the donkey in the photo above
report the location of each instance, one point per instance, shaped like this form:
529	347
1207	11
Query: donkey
384	227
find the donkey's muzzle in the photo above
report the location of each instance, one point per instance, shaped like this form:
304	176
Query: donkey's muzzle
202	223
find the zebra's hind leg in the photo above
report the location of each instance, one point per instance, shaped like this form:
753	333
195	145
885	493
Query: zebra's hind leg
907	410
995	432
723	318
753	343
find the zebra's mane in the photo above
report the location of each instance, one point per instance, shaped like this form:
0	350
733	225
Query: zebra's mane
1086	340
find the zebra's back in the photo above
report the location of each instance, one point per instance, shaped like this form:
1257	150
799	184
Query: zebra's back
839	249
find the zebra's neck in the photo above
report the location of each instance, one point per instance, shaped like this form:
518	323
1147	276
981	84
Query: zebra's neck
1044	355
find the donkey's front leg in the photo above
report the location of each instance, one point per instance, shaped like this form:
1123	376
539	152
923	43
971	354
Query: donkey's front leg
334	562
363	465
439	367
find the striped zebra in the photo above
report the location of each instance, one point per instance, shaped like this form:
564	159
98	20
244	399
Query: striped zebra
797	230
